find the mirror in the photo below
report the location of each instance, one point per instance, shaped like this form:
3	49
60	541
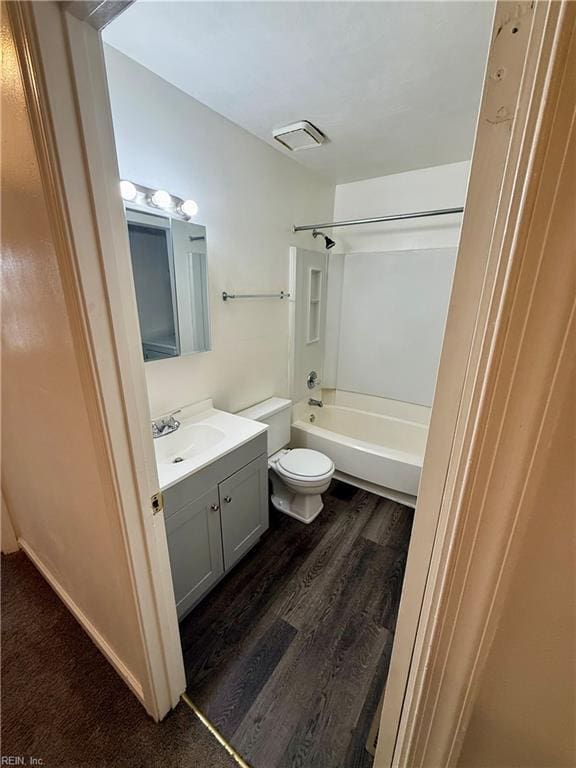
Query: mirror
169	264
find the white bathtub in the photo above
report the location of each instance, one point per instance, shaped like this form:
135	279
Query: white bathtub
376	451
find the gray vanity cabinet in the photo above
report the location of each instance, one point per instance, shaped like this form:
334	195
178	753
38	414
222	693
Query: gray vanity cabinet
243	509
195	547
213	518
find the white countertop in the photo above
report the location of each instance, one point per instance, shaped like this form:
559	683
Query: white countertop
205	435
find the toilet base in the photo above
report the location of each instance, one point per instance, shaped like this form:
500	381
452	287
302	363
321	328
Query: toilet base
303	508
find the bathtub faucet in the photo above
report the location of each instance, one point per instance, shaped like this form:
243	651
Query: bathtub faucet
317	403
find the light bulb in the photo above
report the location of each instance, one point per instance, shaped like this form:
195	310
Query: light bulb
128	191
189	208
162	199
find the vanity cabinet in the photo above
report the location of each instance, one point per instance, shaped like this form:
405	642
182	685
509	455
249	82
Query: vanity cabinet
195	546
213	518
243	509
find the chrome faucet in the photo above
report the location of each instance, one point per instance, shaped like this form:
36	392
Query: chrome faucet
318	403
164	425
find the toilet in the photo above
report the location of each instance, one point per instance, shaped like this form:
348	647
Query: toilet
300	476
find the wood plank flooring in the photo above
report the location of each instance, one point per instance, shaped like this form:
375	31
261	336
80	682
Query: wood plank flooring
288	655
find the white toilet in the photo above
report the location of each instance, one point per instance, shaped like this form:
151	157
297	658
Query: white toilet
298	476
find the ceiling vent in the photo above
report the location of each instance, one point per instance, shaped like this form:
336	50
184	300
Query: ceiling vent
302	135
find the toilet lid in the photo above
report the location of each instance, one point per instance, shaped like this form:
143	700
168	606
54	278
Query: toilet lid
302	462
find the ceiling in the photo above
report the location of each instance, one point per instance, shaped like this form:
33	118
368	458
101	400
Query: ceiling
394	85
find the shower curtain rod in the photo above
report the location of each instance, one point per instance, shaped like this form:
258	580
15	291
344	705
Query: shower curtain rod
376	219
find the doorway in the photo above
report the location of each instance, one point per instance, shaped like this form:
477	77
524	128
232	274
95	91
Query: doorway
429	543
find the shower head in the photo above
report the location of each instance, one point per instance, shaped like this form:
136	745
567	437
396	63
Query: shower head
329	242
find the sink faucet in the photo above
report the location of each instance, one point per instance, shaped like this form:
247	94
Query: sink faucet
164	425
318	403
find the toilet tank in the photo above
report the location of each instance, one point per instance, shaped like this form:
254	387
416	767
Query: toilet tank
277	413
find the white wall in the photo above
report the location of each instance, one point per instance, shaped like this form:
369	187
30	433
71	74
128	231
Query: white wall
249	197
393	313
388	294
333	316
443	186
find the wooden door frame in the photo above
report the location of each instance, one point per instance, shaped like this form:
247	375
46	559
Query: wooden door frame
469	514
62	66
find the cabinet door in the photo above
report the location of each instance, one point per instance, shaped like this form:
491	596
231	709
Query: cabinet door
195	546
244	509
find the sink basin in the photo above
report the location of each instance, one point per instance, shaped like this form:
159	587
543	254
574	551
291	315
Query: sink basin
187	442
205	435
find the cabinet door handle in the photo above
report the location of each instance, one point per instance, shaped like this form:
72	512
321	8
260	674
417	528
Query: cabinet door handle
214	507
227	499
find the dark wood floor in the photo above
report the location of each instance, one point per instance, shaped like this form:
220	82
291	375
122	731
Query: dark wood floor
288	655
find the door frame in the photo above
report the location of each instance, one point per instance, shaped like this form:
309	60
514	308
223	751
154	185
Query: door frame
62	66
455	578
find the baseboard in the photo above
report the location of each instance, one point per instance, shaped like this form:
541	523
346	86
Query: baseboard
85	623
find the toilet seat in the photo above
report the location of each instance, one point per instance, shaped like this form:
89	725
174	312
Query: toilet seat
304	465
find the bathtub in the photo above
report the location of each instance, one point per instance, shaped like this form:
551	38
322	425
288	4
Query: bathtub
373	450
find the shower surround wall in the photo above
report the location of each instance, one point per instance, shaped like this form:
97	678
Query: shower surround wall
388	291
249	196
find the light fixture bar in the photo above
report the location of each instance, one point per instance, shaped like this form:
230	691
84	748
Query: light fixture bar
159	199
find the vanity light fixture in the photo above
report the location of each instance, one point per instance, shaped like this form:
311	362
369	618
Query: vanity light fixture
143	196
128	191
161	199
188	208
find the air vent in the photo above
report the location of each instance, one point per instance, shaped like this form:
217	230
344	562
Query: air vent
302	135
